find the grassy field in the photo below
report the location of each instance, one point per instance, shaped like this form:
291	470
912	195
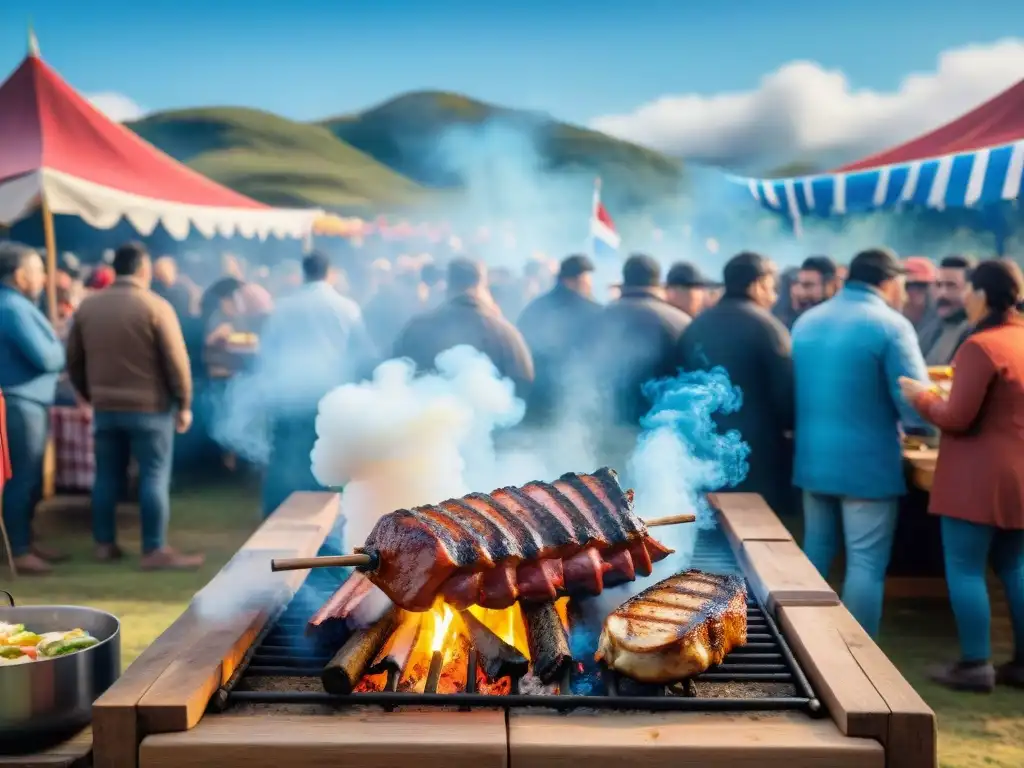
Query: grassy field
974	731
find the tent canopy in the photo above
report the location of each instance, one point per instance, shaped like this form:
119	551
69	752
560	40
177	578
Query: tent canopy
975	161
55	144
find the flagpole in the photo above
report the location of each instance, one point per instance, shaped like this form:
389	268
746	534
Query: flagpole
595	204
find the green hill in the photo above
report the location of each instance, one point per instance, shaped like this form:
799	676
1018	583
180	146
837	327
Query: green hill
393	156
277	161
407	132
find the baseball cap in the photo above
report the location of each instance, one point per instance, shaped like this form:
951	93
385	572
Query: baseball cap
920	270
684	274
874	266
574	266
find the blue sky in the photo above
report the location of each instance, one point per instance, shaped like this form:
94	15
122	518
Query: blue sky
579	60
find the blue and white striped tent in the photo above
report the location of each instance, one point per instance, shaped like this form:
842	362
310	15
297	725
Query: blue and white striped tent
974	179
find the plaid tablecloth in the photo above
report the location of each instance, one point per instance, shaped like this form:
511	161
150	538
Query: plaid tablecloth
73	448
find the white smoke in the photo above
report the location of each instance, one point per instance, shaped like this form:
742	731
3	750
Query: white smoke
398	441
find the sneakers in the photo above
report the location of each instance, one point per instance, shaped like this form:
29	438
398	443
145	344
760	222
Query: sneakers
975	678
168	559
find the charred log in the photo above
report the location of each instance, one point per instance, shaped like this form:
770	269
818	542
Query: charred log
343	673
497	658
547	640
394	656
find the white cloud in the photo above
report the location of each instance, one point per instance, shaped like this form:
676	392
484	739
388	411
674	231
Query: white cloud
116	106
803	111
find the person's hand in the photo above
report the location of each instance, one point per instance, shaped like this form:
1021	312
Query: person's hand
911	388
183	422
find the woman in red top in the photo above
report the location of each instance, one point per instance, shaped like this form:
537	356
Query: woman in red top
979	479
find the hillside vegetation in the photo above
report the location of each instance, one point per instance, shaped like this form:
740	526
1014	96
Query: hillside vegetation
408	152
421	134
275	160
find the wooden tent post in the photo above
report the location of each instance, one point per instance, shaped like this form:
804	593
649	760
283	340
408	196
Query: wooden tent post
50	238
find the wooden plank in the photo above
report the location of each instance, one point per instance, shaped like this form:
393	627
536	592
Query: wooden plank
370	739
250	594
912	738
747	517
834	673
73	753
685	740
781	575
114	719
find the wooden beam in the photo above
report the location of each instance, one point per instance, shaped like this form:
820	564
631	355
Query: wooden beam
685	740
842	660
836	677
747	517
177	700
912	741
117	727
364	739
781	575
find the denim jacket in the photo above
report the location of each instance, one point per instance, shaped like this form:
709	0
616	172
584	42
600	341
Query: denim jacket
848	356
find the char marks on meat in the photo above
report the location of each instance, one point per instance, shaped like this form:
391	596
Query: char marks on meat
677	628
577	534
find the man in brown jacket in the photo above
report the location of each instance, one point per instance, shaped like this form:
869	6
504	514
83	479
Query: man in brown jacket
127	357
471	317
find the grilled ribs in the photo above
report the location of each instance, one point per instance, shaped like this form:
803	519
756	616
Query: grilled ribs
677	628
577	534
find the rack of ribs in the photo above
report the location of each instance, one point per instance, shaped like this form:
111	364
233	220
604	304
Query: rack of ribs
578	534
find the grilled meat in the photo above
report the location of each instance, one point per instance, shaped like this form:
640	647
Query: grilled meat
677	628
577	534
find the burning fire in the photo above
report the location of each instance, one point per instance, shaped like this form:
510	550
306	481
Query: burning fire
442	632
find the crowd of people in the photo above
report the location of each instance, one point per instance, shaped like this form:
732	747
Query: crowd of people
832	362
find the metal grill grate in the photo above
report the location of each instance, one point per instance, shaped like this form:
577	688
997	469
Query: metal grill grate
765	662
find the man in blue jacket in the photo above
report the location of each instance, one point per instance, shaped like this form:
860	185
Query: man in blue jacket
31	359
848	356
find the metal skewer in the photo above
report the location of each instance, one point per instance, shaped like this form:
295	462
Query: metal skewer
369	562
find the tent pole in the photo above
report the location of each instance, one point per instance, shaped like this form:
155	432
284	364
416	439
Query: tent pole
50	238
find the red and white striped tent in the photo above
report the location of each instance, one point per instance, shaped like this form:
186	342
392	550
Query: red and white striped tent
58	150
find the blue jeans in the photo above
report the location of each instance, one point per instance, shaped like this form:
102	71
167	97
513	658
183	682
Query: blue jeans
290	468
966	547
149	439
869	526
28	424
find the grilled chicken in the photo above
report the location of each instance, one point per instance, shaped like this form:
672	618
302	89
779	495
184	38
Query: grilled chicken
677	628
576	535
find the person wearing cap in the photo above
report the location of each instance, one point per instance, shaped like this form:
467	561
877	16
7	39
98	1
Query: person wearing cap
741	335
555	327
635	341
951	289
687	289
817	280
848	355
920	306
